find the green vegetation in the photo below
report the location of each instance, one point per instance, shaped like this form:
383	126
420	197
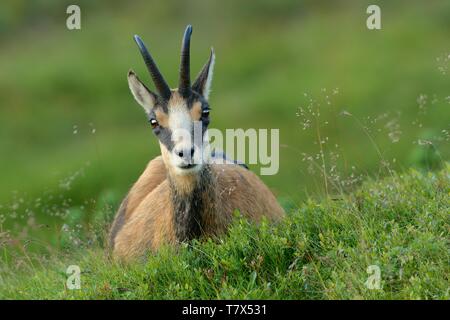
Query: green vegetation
321	251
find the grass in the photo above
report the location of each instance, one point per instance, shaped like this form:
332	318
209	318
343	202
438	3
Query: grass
320	251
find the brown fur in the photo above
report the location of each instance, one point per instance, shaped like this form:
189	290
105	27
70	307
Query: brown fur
162	117
196	111
148	219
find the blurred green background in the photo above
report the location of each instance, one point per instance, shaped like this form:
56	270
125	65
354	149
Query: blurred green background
72	139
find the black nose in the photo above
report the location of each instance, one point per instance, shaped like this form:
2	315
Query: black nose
185	153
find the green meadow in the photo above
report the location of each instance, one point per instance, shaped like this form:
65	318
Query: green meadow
358	111
322	250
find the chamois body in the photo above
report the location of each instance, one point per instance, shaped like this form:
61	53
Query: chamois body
187	192
159	210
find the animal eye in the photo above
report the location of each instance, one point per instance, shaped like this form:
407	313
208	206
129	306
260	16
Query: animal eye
153	123
205	112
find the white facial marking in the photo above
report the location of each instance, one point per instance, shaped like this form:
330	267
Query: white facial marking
181	125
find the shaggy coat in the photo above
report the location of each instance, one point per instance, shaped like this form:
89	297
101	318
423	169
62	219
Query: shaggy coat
161	210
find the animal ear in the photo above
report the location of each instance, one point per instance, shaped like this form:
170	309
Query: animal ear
202	84
141	93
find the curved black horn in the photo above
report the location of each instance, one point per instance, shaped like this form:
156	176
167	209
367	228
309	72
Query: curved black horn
158	80
184	86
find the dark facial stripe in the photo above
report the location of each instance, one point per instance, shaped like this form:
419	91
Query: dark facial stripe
165	137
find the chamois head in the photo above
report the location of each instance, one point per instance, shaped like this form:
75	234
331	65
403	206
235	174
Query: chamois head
179	117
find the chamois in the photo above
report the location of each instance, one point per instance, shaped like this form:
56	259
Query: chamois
180	196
